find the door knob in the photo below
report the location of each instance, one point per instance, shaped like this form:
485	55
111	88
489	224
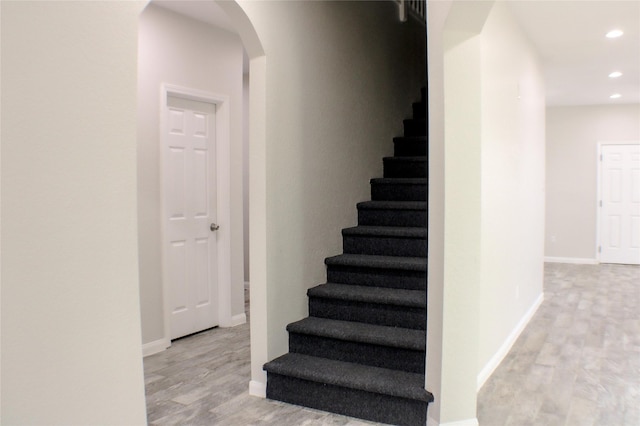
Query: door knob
214	227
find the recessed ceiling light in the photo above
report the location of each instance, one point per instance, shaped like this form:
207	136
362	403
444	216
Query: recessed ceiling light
614	33
615	74
615	96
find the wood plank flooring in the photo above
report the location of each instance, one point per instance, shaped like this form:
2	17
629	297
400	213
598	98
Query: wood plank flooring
576	363
578	360
203	380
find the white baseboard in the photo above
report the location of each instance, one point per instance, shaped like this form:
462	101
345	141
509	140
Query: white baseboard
497	358
155	347
574	260
258	389
468	422
238	319
234	321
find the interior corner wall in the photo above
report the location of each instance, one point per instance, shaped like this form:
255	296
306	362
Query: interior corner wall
573	133
478	95
176	50
71	351
340	78
245	174
437	13
461	228
456	344
513	184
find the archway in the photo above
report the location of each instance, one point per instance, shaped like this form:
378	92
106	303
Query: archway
257	192
255	52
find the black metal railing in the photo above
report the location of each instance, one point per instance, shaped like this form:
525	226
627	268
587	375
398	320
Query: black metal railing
414	8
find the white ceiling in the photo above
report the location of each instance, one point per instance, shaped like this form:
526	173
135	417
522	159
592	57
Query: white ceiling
206	11
576	56
568	34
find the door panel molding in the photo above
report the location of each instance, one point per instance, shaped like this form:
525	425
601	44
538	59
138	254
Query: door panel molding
223	197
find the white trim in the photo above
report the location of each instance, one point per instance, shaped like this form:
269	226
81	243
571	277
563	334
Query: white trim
236	320
467	422
258	389
155	347
574	260
223	184
497	358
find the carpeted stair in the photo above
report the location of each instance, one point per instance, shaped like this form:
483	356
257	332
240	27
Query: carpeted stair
361	352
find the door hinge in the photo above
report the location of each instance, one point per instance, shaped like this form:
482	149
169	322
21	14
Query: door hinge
599	249
600	157
600	203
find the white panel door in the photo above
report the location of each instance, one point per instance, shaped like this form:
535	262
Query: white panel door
190	211
620	205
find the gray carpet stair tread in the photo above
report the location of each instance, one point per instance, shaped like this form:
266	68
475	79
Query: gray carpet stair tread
351	331
367	294
350	375
400	181
386	231
379	262
405	159
411	138
393	205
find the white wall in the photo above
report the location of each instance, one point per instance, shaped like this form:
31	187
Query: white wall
70	306
245	174
573	133
462	81
340	78
71	350
180	51
492	191
454	218
437	13
513	161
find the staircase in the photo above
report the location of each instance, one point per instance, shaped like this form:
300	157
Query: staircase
361	352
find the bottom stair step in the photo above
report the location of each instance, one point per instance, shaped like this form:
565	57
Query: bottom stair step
371	393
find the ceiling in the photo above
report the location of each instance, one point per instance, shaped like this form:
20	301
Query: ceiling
206	11
576	56
568	34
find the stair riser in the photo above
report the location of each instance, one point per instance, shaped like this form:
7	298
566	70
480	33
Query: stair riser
349	402
404	148
390	278
415	128
371	313
385	246
419	110
398	192
405	169
392	218
360	353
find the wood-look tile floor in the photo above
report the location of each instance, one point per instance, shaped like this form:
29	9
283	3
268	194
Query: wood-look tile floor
576	363
203	380
578	360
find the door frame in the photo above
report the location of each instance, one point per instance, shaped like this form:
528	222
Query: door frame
223	199
599	163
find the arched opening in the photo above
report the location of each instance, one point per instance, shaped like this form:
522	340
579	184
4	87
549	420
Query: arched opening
166	71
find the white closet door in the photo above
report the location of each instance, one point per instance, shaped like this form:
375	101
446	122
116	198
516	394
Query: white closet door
190	211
